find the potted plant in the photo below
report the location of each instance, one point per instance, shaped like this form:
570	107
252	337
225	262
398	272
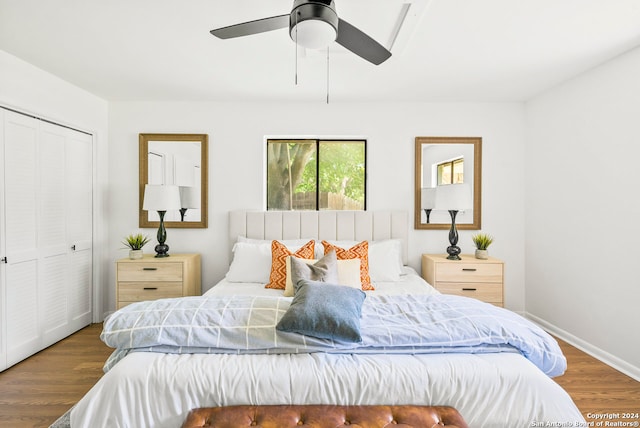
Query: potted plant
135	242
482	242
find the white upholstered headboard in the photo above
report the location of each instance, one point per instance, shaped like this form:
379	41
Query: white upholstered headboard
329	225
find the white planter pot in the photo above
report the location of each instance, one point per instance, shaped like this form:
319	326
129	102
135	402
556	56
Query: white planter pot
135	254
482	254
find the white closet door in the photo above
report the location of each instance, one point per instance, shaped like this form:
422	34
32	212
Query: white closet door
20	239
3	280
79	185
45	234
52	235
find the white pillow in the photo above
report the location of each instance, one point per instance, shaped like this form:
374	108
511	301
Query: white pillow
385	258
348	274
252	259
292	245
251	263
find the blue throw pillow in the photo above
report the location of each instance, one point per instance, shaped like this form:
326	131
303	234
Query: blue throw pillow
324	310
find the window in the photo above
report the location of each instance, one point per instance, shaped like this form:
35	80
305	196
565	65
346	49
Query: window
316	174
451	172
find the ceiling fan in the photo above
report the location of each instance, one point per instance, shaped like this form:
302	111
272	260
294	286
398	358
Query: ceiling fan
313	24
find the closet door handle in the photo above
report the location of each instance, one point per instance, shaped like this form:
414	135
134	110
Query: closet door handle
73	247
4	260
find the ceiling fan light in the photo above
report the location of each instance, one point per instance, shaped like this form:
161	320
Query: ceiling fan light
313	34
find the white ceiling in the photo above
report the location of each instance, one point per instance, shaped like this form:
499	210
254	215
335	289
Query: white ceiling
446	50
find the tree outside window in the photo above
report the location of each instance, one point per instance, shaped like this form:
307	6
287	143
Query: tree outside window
316	174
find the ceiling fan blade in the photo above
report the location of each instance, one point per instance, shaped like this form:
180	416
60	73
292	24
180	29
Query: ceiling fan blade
361	44
252	27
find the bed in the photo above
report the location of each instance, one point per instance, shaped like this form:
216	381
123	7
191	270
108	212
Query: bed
495	378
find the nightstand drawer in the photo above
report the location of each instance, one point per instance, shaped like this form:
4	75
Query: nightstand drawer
469	277
150	271
152	278
141	290
488	292
469	272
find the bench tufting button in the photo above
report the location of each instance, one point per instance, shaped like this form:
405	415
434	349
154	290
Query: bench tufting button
254	423
300	422
347	422
394	422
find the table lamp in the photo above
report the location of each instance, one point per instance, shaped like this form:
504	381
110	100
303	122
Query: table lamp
161	198
428	200
189	198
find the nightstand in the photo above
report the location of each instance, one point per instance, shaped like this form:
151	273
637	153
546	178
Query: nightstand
152	278
470	277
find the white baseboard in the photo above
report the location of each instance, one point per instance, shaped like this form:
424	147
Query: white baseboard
611	360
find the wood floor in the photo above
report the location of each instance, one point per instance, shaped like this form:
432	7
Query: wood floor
598	389
35	392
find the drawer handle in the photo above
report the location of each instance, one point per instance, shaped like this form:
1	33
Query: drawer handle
469	269
469	289
150	288
148	268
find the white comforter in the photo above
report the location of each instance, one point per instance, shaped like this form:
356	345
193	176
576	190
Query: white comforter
490	390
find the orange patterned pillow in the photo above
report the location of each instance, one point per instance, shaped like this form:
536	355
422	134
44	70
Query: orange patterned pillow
358	251
279	254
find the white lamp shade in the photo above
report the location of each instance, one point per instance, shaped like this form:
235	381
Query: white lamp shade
428	198
454	197
313	34
189	197
161	198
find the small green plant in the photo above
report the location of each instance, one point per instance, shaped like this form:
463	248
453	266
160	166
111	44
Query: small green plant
135	241
482	240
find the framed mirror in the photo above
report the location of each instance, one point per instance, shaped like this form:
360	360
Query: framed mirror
448	175
180	160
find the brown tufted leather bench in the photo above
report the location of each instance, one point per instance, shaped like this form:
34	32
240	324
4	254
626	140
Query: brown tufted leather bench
325	416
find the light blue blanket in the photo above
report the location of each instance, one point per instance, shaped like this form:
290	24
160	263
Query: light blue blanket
409	324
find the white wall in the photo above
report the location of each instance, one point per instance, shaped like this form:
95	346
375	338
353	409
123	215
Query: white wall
583	210
28	89
236	168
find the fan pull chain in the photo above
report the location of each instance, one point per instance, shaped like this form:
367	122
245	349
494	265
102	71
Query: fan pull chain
327	74
296	48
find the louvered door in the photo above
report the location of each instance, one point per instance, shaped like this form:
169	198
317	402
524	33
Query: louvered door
79	208
52	231
45	236
3	280
23	336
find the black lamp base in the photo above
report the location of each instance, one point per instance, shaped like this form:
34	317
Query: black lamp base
162	250
453	250
427	213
